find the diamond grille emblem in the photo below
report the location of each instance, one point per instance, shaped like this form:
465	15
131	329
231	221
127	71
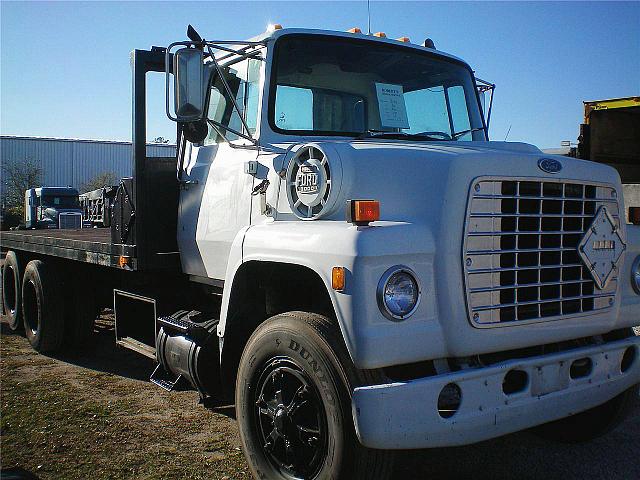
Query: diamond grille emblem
601	247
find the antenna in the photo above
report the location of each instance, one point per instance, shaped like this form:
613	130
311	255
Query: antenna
505	137
368	17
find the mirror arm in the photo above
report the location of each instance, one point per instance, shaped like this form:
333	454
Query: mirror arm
242	52
493	87
218	131
182	144
232	97
218	125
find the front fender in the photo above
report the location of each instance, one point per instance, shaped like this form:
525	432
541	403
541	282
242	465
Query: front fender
366	253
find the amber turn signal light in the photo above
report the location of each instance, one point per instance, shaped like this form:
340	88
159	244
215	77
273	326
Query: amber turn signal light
634	215
361	212
337	278
123	261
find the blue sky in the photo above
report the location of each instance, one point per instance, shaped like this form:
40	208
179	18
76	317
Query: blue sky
64	67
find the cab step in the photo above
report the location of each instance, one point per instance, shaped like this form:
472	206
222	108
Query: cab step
182	324
165	380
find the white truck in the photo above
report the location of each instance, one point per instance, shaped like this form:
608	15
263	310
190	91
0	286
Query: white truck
345	255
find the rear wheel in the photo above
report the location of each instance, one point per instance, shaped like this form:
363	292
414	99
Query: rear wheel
293	403
11	291
42	307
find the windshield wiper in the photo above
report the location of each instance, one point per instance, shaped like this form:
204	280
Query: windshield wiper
396	135
457	135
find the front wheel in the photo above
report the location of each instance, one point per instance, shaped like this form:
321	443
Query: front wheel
293	403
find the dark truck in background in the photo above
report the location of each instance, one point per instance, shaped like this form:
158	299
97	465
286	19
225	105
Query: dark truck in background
52	207
610	134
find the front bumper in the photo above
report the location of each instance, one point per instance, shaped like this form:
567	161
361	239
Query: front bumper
405	415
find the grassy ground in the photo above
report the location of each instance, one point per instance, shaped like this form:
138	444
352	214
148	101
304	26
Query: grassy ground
96	416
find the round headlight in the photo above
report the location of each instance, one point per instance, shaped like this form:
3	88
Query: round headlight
635	275
398	293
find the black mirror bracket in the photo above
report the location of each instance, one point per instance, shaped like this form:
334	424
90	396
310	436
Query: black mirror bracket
482	87
195	128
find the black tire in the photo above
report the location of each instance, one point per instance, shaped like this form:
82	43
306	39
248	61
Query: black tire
11	290
595	422
80	313
42	307
302	356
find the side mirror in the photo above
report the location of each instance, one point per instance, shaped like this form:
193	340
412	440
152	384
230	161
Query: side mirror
483	87
188	70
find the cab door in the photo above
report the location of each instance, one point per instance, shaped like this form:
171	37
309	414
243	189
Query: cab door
215	195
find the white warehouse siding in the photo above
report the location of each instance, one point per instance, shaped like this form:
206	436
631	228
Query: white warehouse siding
73	162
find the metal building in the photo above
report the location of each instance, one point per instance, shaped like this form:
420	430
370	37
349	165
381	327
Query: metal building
66	161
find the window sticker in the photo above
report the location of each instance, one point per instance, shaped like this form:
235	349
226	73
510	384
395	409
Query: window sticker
393	111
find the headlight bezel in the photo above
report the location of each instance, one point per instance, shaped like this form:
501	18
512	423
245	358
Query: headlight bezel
635	275
382	284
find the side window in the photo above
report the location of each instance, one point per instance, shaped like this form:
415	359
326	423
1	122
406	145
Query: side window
459	112
427	110
252	94
243	79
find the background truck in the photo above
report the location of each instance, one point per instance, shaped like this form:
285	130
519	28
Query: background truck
52	207
340	251
610	134
97	206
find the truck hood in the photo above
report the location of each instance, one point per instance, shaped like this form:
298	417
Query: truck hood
423	190
429	181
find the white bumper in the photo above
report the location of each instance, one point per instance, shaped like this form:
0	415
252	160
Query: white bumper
405	415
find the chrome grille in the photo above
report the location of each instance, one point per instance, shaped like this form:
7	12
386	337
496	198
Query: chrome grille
521	259
69	220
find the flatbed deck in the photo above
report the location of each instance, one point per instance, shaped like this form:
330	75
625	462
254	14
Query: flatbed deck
89	245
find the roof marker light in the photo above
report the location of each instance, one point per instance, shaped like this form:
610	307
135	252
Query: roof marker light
354	30
362	212
380	35
272	27
404	39
429	43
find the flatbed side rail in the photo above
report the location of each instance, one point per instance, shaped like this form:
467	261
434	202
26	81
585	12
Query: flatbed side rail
87	251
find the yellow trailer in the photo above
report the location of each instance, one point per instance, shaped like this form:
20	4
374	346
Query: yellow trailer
611	134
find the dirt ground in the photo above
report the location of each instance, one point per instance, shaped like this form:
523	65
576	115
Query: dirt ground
96	416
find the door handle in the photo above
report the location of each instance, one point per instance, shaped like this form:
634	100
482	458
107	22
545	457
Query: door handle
184	184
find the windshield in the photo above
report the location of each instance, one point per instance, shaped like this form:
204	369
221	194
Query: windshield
58	201
335	86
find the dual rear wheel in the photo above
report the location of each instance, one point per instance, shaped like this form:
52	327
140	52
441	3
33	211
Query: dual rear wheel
53	313
11	291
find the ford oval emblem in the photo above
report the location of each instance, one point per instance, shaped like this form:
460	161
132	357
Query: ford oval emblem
549	165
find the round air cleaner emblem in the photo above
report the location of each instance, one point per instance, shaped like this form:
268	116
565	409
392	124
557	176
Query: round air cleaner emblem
309	182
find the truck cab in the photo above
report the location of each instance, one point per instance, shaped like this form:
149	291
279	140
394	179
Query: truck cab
52	207
353	175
